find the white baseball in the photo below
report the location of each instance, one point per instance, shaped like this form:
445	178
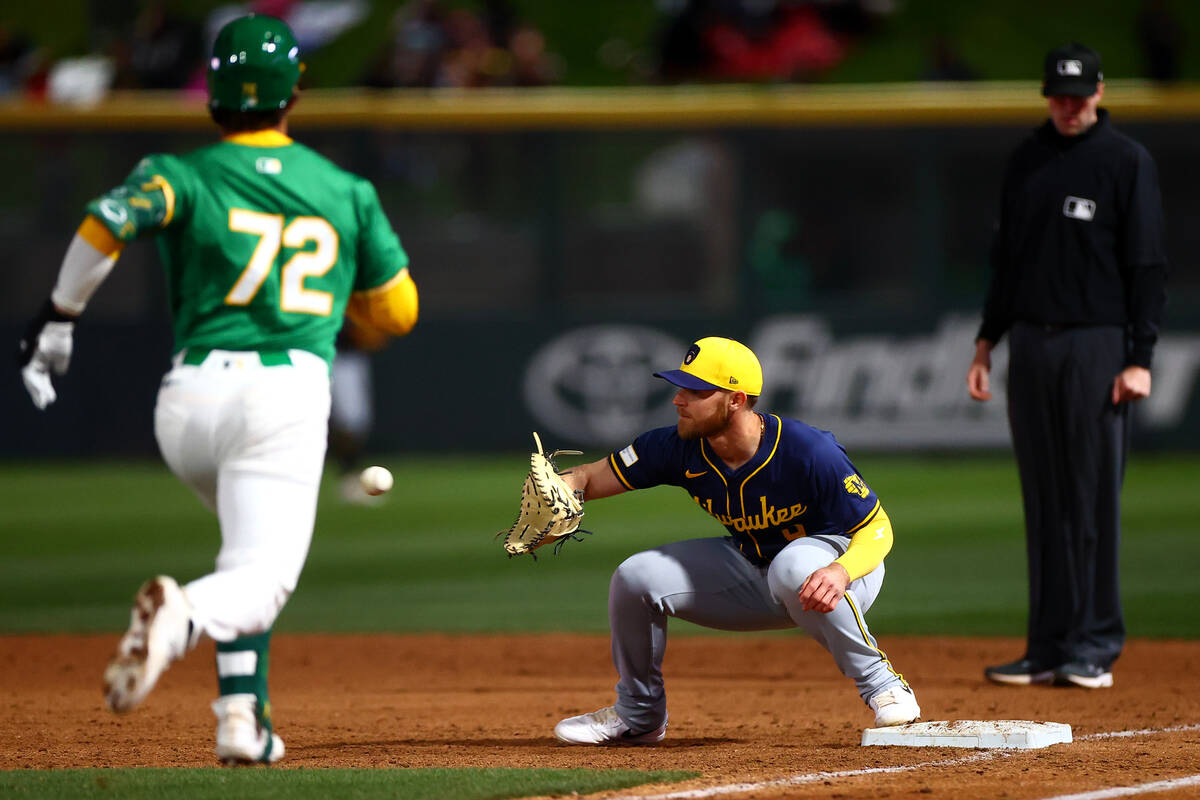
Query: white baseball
375	480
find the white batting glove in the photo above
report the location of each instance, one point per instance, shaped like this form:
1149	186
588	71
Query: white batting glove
45	349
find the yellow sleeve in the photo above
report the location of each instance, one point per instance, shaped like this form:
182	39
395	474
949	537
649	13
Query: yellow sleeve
868	546
391	308
94	232
87	263
367	338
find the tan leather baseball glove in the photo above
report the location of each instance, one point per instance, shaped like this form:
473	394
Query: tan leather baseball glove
550	511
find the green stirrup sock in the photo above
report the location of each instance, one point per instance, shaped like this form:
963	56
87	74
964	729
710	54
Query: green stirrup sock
242	667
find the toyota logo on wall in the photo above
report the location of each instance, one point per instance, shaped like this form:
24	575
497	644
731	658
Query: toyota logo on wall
596	386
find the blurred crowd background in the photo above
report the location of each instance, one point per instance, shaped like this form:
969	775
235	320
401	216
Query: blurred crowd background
563	258
77	49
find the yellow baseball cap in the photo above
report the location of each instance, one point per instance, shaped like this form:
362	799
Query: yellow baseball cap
717	363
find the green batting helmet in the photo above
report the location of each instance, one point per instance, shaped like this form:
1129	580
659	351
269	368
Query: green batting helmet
255	65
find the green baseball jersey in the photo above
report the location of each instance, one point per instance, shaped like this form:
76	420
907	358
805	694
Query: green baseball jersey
263	241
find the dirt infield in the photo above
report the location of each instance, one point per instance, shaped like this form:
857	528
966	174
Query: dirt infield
743	708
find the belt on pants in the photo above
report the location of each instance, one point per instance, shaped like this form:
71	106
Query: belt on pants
195	356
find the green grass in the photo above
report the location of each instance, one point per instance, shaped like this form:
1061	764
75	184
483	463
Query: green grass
79	538
76	539
345	784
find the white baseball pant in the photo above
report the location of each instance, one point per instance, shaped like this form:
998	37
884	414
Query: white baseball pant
250	442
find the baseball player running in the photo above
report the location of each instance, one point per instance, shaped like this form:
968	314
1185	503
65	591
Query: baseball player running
807	537
266	245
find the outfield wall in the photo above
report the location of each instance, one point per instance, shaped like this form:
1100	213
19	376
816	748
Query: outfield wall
567	243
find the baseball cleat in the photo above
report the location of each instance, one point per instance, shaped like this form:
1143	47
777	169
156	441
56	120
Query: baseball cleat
1021	672
1079	673
159	633
895	706
604	727
241	736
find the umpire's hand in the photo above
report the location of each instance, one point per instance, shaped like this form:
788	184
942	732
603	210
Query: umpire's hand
979	371
45	347
1132	384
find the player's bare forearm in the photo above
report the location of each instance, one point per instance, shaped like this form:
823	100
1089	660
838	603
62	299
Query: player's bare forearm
824	589
595	480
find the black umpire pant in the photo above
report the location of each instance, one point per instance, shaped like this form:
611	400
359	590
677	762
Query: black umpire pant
1070	442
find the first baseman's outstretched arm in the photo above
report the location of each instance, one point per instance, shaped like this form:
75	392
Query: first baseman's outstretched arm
595	480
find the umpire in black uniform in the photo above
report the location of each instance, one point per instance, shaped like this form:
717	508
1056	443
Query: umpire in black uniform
1079	286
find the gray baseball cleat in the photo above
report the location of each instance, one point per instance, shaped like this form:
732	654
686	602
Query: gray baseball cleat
241	736
1081	673
1022	672
604	727
895	706
160	631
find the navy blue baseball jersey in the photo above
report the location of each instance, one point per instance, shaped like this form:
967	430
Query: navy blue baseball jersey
800	482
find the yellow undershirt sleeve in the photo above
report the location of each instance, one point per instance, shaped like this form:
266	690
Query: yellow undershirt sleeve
391	308
868	546
94	232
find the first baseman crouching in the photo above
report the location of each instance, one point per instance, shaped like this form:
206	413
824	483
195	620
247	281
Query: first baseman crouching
806	544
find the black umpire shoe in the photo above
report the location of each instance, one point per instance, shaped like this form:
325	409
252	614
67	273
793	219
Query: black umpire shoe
1021	672
1080	673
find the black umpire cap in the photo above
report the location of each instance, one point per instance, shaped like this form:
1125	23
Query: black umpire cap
1072	69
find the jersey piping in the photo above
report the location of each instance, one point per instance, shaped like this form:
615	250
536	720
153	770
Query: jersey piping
771	455
721	475
867	520
612	463
159	182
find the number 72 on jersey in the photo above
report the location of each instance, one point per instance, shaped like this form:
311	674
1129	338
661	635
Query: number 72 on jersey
272	236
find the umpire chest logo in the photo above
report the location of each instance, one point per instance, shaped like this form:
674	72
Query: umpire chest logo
1079	208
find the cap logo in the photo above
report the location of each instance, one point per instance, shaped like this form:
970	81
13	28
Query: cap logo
1070	67
732	380
250	94
692	352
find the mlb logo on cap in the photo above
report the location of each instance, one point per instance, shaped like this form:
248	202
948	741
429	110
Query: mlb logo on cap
1070	67
1072	70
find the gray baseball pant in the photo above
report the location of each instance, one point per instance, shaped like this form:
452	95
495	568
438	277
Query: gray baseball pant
708	582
